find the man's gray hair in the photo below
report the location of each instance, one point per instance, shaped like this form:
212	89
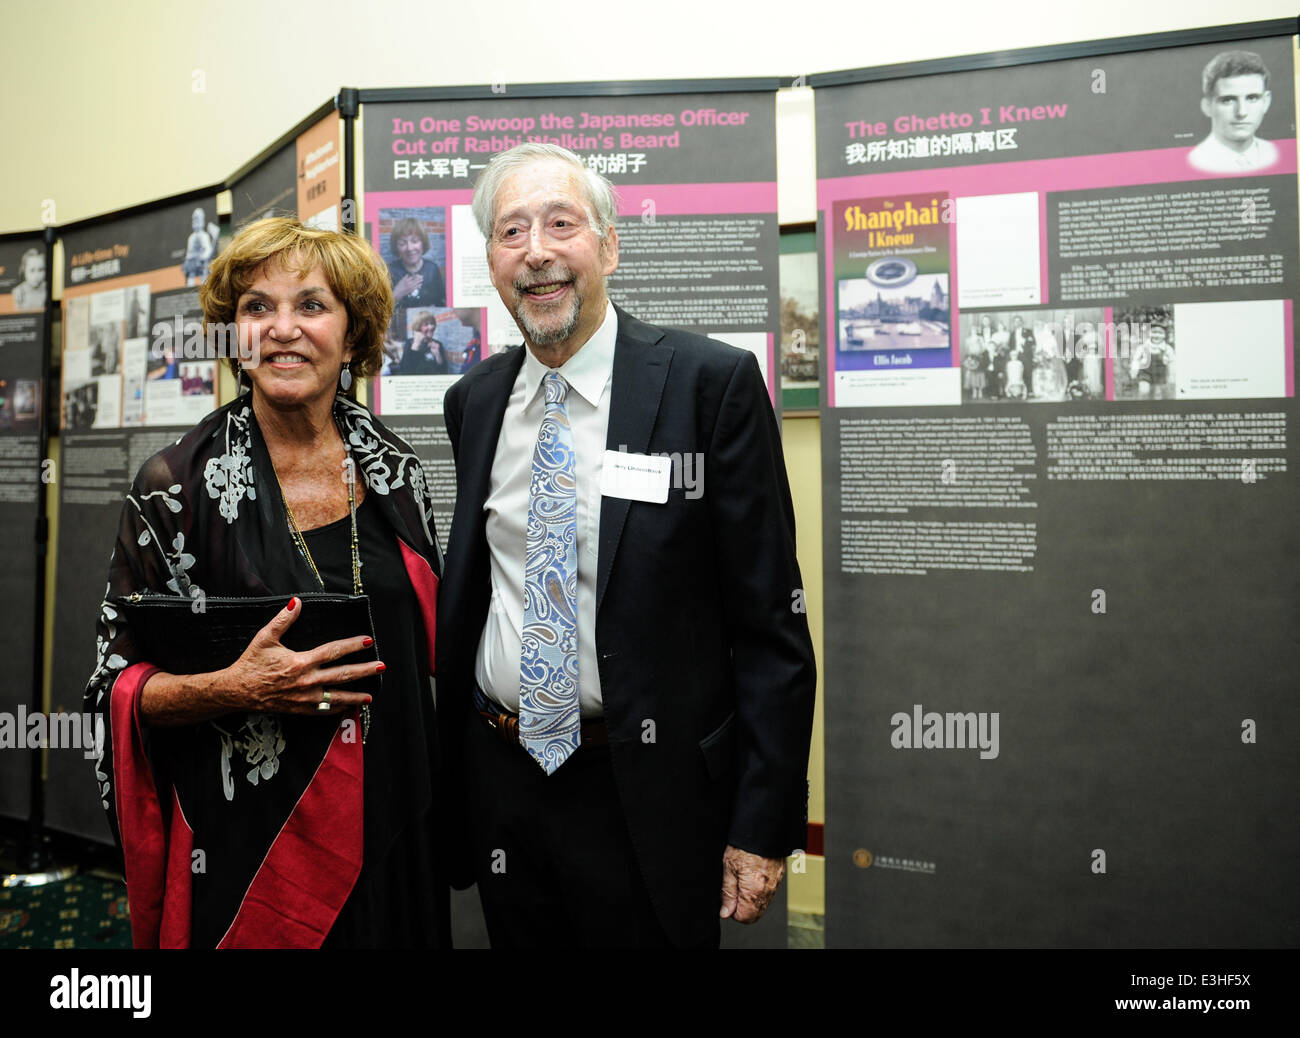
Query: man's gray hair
601	200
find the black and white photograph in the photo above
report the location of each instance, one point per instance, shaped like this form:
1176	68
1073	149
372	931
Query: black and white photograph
1235	97
1035	355
136	308
81	406
106	348
1144	353
31	291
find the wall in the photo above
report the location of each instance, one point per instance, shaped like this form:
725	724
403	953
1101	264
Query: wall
107	105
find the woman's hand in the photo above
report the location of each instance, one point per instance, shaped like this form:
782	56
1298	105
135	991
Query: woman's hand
410	283
267	678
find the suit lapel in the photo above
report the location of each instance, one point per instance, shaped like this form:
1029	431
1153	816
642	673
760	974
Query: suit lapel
640	370
467	582
481	425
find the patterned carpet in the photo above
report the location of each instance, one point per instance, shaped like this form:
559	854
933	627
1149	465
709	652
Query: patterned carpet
86	911
89	910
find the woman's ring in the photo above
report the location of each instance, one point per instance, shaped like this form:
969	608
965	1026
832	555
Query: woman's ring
324	703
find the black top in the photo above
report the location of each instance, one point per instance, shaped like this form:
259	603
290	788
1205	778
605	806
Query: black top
396	901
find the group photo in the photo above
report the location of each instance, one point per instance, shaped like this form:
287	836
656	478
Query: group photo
1050	356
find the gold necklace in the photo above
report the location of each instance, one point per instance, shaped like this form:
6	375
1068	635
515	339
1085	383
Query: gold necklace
350	478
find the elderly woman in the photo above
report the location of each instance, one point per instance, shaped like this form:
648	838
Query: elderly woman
264	804
423	354
417	281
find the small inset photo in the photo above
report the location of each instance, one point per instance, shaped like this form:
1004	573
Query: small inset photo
413	244
1037	355
1144	353
81	406
437	341
893	308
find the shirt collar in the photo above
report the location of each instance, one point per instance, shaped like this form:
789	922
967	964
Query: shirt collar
1248	158
587	371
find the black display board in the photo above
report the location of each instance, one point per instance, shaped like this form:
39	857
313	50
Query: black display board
297	176
128	389
1060	496
268	189
695	169
24	296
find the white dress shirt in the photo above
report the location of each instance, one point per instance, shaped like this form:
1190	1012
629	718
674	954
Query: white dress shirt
1213	156
589	373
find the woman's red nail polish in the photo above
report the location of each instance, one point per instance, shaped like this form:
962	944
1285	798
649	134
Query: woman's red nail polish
293	604
381	667
368	642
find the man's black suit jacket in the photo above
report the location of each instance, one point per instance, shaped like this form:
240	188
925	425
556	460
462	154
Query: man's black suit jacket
706	665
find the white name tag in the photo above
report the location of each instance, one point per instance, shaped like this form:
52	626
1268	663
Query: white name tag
637	477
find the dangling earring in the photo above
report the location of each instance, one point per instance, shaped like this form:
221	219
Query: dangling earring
240	384
345	378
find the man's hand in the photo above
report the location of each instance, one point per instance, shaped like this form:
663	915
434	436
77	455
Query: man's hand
748	884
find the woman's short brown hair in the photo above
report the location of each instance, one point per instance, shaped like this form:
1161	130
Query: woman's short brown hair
408	227
356	276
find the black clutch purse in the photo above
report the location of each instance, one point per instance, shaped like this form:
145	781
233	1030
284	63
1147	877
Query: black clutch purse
200	635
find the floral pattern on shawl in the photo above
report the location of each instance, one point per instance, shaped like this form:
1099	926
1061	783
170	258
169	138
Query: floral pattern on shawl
229	476
168	518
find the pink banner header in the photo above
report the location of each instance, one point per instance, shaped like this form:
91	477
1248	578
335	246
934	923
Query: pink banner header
1117	169
668	199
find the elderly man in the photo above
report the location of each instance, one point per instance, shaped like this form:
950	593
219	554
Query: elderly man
1235	96
622	645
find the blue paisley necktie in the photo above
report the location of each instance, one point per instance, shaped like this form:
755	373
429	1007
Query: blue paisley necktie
549	723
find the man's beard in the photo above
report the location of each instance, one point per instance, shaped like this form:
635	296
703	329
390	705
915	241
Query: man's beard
566	324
